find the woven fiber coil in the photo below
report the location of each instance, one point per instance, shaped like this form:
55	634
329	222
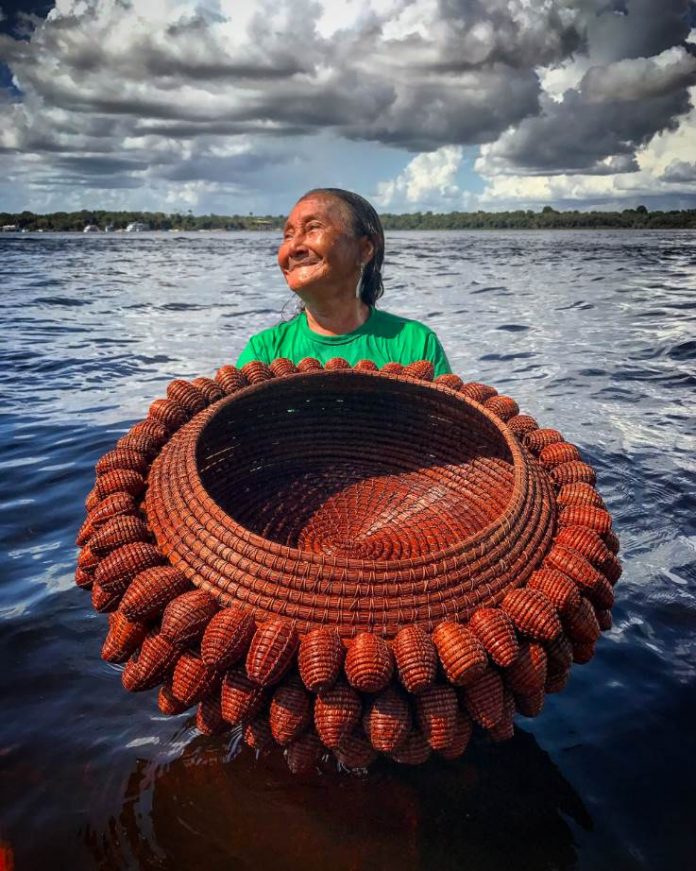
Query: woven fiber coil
388	721
347	560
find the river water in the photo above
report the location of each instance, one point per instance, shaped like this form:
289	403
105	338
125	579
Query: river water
592	333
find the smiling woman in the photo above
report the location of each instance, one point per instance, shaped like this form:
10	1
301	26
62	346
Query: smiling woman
331	256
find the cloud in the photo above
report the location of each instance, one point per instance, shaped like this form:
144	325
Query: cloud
680	171
430	177
232	94
615	109
637	79
468	67
662	175
170	83
621	29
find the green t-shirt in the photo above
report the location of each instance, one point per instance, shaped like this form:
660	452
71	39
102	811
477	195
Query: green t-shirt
383	338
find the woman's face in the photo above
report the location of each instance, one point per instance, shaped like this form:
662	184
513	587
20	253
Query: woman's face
318	251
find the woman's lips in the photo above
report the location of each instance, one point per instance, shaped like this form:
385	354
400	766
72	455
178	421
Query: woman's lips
298	262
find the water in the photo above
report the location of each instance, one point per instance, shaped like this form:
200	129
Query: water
592	333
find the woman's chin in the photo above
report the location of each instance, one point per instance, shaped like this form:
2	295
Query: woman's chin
303	283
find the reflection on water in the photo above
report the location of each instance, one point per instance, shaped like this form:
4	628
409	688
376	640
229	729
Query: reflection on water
591	332
501	807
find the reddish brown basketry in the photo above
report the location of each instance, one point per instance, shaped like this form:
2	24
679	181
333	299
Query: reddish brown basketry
558	588
209	388
118	481
347	559
579	493
532	613
484	699
149	666
116	571
531	704
187	395
116	505
186	617
437	715
477	391
192	679
503	407
320	658
101	600
116	532
497	634
416	658
527	674
272	651
369	663
559	653
414	751
209	719
227	637
123	458
257	734
582	624
166	702
123	638
463	728
536	440
241	698
151	590
230	379
304	753
147	437
573	472
291	712
388	721
586	542
168	413
557	453
504	729
462	655
336	713
355	751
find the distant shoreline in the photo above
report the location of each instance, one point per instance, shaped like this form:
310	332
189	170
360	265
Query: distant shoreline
547	219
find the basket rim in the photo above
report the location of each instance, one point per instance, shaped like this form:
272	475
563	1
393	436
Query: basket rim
205	418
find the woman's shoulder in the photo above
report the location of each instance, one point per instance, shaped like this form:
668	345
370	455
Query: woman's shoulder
396	323
279	328
267	344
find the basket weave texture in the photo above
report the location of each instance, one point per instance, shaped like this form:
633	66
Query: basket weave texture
369	561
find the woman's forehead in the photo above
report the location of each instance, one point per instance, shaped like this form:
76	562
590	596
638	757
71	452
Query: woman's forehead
319	206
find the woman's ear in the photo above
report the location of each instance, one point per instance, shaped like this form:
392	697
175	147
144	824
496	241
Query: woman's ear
367	250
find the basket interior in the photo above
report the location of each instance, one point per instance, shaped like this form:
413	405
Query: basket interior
355	465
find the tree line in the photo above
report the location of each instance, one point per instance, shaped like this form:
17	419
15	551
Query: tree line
546	219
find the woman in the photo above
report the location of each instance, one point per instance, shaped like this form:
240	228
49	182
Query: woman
331	256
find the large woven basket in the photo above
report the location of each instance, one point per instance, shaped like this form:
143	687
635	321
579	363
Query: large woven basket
347	560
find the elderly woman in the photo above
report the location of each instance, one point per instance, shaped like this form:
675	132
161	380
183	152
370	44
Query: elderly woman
331	256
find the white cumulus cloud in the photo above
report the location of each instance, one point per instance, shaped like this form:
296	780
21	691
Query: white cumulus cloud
428	178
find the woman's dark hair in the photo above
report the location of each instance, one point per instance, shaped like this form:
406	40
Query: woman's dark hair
364	222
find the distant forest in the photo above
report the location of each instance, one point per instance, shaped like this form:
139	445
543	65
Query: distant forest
546	219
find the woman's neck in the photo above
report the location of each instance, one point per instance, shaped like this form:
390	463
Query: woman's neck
337	318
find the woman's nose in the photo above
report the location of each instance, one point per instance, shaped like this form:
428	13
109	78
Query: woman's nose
297	241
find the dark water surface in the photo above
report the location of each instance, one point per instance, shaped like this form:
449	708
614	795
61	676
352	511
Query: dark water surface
592	333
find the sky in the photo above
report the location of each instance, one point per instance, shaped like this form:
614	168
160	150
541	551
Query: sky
237	107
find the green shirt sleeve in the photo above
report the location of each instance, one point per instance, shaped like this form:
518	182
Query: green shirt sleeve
436	354
249	353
